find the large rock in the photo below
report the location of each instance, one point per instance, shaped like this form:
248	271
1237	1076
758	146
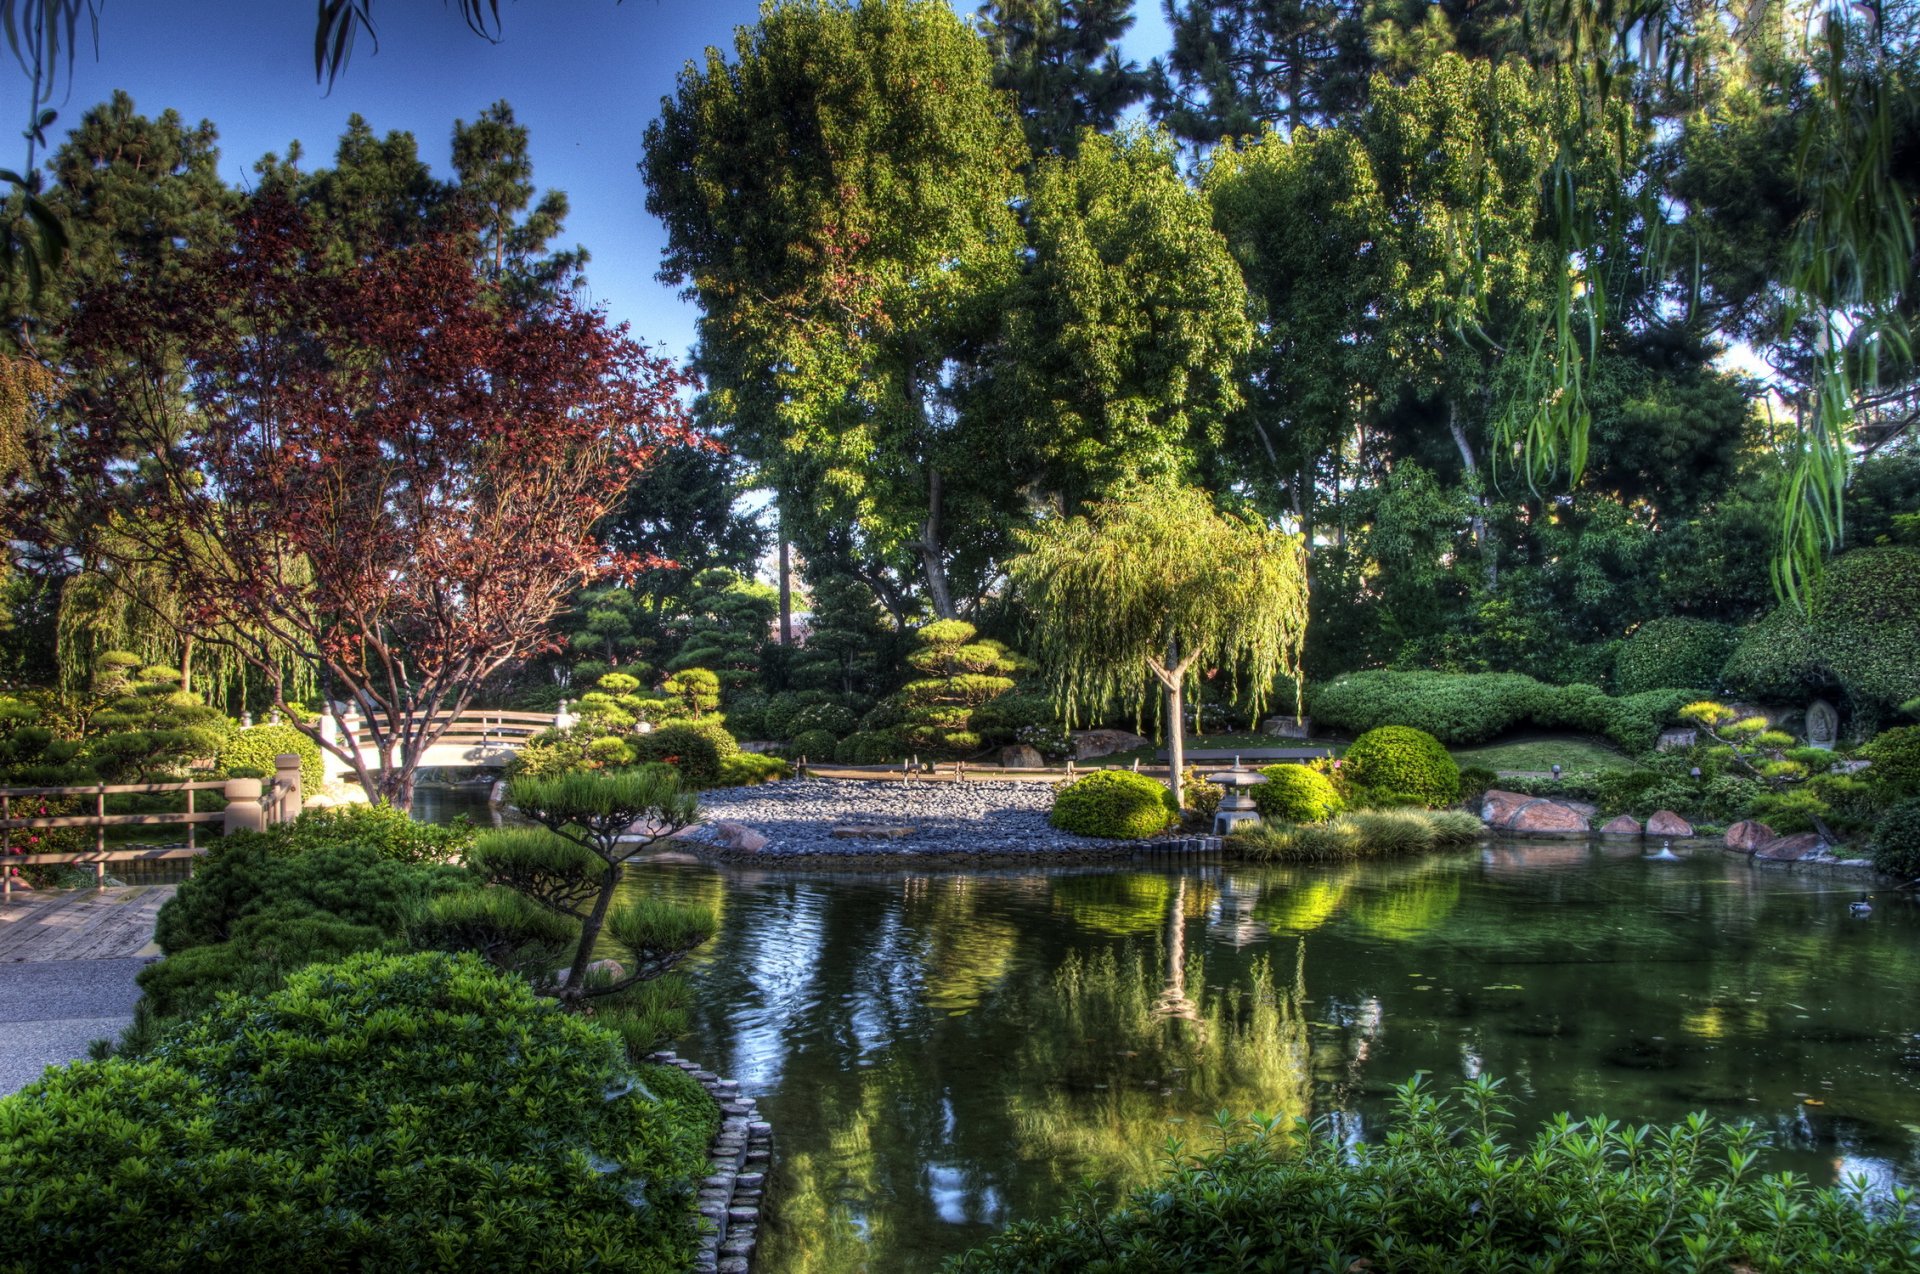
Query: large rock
1019	756
1747	835
1676	738
1288	728
1521	814
739	837
1668	823
1088	744
1625	825
1791	849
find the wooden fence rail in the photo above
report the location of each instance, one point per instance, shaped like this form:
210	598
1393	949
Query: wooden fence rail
251	805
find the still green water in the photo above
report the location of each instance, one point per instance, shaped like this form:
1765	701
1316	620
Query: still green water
942	1053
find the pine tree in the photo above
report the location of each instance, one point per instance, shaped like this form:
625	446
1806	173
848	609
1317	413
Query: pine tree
1058	57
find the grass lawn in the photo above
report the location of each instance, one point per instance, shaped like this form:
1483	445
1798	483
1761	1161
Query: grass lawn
1539	753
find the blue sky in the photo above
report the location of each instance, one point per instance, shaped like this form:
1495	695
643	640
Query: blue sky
585	76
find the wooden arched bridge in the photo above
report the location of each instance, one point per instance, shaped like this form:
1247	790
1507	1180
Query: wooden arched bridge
478	737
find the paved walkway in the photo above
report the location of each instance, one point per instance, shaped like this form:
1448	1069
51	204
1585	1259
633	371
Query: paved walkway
67	964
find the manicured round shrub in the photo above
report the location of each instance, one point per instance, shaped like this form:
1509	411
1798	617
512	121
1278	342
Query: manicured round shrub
1476	780
1114	805
389	832
1396	760
1895	755
1297	794
386	1112
254	748
834	719
815	745
1896	841
1672	651
747	715
695	748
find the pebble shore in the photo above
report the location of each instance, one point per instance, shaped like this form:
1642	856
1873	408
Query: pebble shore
958	820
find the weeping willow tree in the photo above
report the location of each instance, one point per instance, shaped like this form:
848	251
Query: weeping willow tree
1153	585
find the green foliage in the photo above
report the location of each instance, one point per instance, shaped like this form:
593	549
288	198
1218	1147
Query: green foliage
813	744
388	832
1199	796
1896	841
1398	761
697	749
1444	1192
870	747
387	1112
961	674
144	726
264	948
1635	721
254	748
1113	805
1668	652
251	874
1466	708
1358	835
1895	755
697	689
1297	794
1475	780
746	769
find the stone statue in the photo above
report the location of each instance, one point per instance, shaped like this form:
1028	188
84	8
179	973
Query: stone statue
1823	724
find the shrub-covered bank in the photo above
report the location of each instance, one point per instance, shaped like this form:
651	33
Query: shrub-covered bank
1445	1191
1358	835
416	1112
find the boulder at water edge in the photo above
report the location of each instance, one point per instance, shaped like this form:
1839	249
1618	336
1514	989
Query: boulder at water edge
1625	825
1668	823
1790	849
739	837
1747	835
1534	815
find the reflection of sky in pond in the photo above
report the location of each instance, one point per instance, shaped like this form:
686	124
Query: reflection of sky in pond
943	1053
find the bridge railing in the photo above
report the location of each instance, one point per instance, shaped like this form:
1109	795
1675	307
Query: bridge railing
249	805
485	728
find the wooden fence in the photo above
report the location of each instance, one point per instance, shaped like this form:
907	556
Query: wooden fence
250	805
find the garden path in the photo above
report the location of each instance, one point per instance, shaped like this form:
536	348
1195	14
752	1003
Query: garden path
67	964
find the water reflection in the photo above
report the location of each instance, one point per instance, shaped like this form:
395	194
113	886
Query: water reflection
943	1053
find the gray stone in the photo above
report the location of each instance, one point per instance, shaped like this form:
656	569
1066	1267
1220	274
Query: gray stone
1088	744
1823	724
1677	739
1020	756
1288	728
1668	823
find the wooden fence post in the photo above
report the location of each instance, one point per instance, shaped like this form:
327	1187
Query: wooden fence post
286	773
244	813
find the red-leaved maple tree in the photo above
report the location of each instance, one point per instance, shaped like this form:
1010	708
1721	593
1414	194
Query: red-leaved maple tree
383	466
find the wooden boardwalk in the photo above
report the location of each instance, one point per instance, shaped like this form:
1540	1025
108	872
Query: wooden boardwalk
81	924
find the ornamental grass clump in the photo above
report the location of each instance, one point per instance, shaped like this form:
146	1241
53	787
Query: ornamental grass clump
1445	1192
388	1112
1113	805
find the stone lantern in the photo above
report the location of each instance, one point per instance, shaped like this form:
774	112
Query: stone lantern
1236	803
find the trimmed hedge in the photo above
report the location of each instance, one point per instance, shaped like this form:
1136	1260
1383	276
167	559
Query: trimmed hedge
1896	841
1297	794
383	1113
1114	805
1397	761
1464	708
695	748
1446	1191
254	748
1672	651
1895	755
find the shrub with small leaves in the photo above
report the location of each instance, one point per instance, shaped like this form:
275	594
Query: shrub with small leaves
1113	805
1398	761
1896	841
1895	755
815	745
1296	794
869	747
382	1113
253	750
695	748
1673	651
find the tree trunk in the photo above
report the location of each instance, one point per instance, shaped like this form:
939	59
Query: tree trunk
931	554
590	934
1478	522
786	587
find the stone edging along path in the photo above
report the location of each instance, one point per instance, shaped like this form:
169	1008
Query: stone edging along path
730	1198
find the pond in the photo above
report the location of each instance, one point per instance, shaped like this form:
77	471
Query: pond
944	1052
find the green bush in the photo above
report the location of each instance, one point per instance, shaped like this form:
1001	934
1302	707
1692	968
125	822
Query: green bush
251	874
254	748
1297	795
815	745
869	747
747	715
696	748
1672	651
1357	835
1445	1192
387	831
1476	781
1635	721
1464	708
833	719
264	949
1398	761
1896	841
746	769
1114	805
1790	811
1895	755
387	1112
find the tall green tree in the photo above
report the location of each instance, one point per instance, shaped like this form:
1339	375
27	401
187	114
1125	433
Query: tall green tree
1238	65
840	198
1148	587
1061	60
